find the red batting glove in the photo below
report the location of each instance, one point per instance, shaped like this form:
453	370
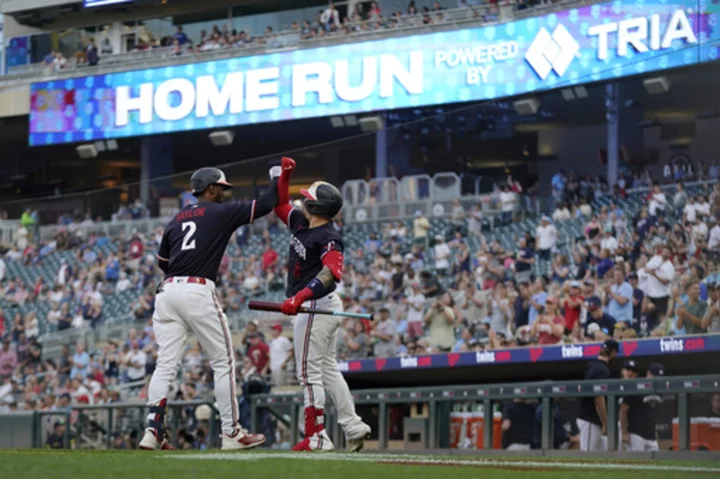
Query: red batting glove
288	165
291	306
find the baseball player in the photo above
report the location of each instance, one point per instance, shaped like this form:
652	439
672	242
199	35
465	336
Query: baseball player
314	269
639	414
190	252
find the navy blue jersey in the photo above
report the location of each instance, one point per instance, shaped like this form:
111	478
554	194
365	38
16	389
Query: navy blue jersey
307	248
196	238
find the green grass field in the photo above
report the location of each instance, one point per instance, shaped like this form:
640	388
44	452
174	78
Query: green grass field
259	465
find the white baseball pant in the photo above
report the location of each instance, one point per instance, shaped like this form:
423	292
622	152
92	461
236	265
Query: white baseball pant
315	341
182	308
591	438
639	443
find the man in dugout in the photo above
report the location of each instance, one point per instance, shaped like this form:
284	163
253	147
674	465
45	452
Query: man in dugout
639	413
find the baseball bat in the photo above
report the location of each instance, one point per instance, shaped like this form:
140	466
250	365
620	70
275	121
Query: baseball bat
277	308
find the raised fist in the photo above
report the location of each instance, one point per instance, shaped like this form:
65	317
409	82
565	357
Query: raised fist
288	164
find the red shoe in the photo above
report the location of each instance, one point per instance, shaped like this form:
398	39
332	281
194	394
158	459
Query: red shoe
241	440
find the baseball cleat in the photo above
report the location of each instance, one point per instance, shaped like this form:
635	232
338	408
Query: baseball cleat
150	442
317	442
241	440
357	442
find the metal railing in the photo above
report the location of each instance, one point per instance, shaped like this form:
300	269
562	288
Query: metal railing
290	40
95	426
440	398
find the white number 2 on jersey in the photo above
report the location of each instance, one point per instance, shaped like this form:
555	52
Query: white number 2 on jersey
187	243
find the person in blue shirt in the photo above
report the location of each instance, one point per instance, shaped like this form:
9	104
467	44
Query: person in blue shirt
605	264
597	315
112	269
180	36
537	300
81	361
619	297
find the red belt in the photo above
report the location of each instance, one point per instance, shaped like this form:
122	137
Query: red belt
188	280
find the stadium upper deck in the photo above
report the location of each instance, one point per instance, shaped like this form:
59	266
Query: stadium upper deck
304	33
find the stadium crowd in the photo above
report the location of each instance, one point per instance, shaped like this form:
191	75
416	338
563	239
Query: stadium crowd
627	274
328	22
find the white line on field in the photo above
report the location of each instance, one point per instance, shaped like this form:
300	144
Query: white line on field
424	460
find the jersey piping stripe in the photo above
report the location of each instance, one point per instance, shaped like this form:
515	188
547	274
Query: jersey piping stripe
306	349
252	212
161	258
228	348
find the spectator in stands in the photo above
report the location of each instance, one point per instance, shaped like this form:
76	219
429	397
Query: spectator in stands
537	300
619	297
59	62
143	307
711	320
546	238
690	314
660	275
416	307
421	227
561	213
91	53
32	328
605	324
65	319
508	201
180	36
549	327
106	47
458	214
281	353
8	359
80	362
135	362
440	320
384	332
330	18
259	354
442	256
500	309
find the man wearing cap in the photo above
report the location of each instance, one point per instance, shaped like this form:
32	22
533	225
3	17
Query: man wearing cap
56	440
281	353
259	353
639	414
545	238
592	418
597	315
618	297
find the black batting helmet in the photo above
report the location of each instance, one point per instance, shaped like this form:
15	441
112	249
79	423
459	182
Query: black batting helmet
205	177
322	199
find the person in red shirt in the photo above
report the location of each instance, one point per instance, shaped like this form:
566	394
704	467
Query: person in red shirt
259	353
572	302
550	326
269	257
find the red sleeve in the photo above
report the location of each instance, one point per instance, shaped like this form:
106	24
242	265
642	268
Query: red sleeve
282	211
334	261
283	208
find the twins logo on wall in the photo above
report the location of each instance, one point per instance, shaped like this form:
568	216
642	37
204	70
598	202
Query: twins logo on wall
593	43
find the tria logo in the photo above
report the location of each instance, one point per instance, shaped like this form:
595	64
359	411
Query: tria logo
640	34
552	52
